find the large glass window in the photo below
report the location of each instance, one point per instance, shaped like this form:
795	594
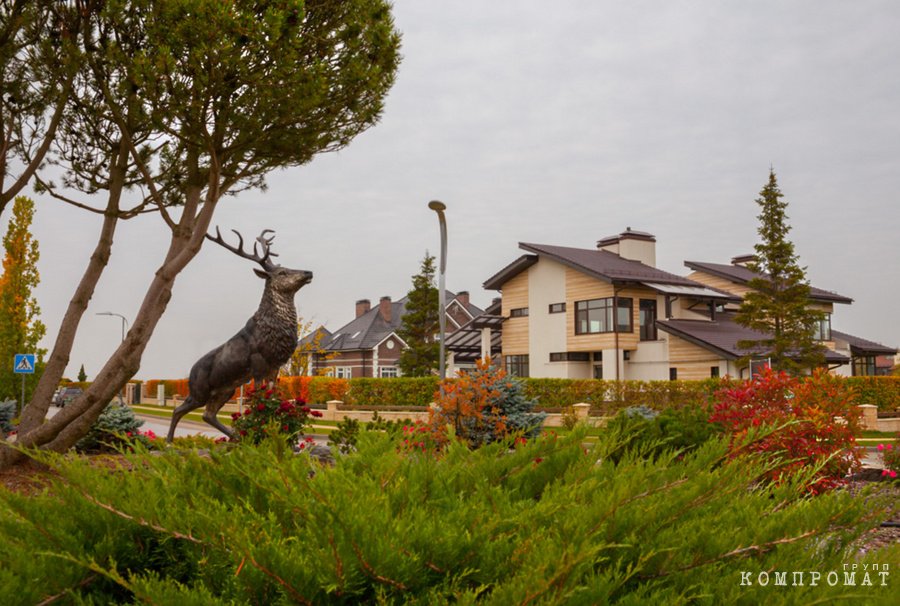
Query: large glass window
517	366
596	316
822	329
863	366
647	319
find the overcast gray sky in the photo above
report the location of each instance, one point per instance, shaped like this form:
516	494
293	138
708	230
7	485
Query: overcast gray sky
557	123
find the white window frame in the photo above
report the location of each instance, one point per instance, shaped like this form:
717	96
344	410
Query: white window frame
343	372
393	372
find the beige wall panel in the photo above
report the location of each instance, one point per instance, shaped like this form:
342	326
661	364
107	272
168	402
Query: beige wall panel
720	283
681	351
515	293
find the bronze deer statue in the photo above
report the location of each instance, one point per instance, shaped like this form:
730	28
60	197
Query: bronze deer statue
259	349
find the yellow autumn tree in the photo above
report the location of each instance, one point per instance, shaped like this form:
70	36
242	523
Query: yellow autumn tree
20	325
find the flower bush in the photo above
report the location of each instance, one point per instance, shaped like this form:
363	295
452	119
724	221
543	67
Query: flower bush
798	423
268	414
891	455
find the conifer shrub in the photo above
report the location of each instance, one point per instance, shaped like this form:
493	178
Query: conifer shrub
7	414
114	428
268	414
653	432
549	521
813	423
483	405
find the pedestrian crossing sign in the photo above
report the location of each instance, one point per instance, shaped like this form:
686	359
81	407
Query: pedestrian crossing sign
23	364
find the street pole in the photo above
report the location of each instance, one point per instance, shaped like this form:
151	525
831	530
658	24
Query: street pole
124	323
439	208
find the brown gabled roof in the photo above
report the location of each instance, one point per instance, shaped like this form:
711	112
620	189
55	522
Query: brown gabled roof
722	336
600	264
863	347
741	275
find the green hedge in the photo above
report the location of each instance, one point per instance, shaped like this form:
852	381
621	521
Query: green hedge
883	392
401	391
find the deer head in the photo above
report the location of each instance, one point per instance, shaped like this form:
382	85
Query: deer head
280	279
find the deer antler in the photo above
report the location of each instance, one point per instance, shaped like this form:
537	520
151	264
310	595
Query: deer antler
265	243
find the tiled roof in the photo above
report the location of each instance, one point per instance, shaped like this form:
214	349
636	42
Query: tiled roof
366	331
722	336
860	346
370	329
741	275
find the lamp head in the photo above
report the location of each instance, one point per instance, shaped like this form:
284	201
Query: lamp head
437	205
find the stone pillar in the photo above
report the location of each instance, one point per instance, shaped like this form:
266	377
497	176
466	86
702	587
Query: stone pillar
161	395
582	410
869	419
331	411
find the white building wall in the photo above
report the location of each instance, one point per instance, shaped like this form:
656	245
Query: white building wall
649	362
546	331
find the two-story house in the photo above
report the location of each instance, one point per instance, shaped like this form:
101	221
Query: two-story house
610	313
370	346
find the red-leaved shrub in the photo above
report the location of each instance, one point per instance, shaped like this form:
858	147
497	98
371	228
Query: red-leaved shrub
814	421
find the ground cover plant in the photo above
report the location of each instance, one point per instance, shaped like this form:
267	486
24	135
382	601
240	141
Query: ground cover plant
544	522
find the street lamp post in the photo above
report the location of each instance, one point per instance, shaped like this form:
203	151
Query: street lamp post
439	207
124	324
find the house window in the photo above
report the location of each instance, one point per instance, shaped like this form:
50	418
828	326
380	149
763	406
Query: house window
596	316
557	308
822	329
673	374
647	319
863	366
388	372
343	372
714	372
519	312
517	366
570	356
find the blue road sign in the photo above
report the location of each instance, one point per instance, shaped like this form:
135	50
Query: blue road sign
23	364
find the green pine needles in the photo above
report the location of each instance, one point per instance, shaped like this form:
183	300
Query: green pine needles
421	323
778	302
547	522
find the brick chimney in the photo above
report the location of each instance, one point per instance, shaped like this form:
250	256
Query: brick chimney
630	244
362	307
384	308
463	297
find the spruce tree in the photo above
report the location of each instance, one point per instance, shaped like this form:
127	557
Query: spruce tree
82	376
421	323
778	302
20	326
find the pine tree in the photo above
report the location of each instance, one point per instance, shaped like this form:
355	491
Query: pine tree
421	323
82	376
778	303
20	326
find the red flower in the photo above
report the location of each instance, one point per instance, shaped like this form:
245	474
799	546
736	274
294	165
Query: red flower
235	416
261	407
316	413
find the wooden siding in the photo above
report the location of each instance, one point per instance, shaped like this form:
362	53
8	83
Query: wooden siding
720	283
580	287
692	361
515	330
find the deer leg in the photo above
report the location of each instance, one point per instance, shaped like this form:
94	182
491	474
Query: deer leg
216	402
187	406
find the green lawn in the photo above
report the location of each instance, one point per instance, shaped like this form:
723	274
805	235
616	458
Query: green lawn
165	412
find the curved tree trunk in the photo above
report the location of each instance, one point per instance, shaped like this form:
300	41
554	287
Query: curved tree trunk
63	430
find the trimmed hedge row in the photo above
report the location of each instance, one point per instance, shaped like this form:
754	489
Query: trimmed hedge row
605	397
883	392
